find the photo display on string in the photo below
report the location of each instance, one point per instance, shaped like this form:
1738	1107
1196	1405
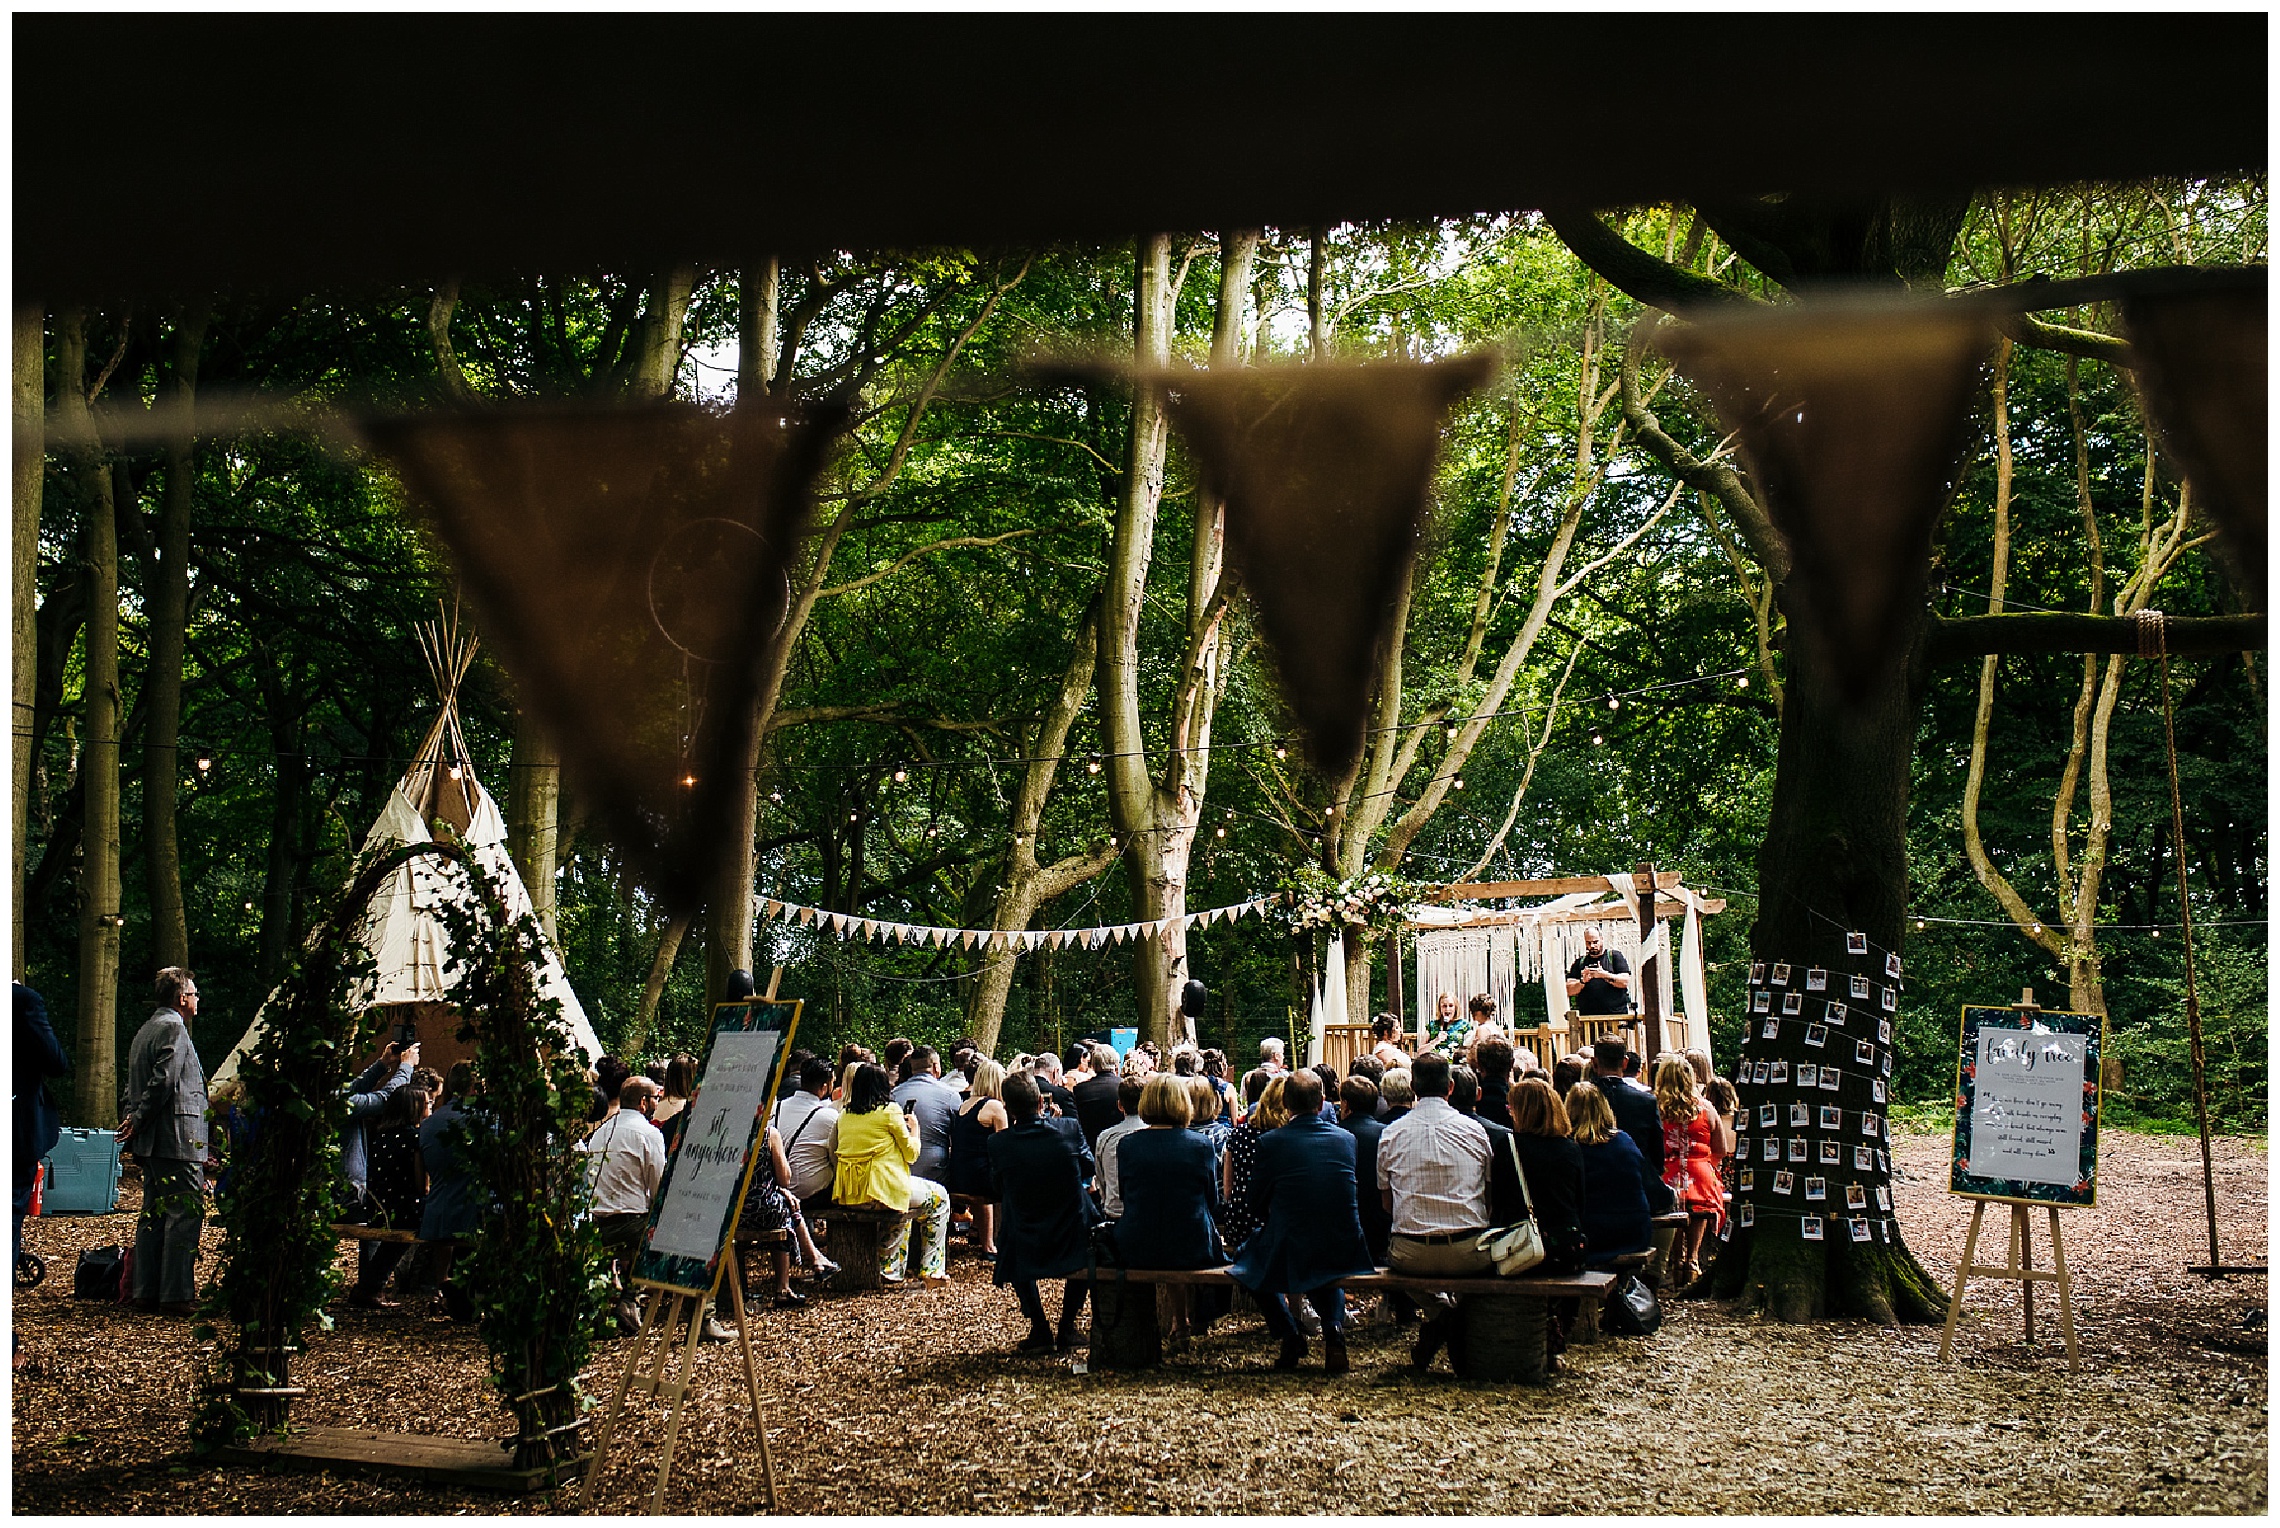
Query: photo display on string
1813	1091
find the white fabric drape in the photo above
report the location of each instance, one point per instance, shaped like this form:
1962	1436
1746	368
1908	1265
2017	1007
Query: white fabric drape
1692	987
1329	997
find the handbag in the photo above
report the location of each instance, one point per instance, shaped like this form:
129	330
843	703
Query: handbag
1516	1248
1631	1309
101	1274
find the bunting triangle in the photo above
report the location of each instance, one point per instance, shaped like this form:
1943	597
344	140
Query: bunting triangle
628	565
1325	471
1852	417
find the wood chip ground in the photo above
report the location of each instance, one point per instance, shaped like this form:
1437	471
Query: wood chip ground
910	1401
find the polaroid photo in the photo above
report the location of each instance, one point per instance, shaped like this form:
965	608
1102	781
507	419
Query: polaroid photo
1835	1013
1871	1124
1800	1115
1761	1001
1892	966
1884	1230
1884	1031
1780	1073
1757	972
1816	1188
1785	1182
1891	999
1769	1115
1749	1215
1856	1197
1772	1029
1832	1154
1747	1180
1832	1117
1858	987
1817	979
1726	1231
1856	944
1876	1089
1797	1152
1884	1161
1816	1034
1781	974
1760	1073
1887	1068
1864	1053
1792	1002
1807	1072
1772	1152
1864	1160
1830	1077
1883	1197
1860	1230
1812	1225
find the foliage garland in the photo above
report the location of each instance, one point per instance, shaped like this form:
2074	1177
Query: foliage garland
1314	899
535	1273
278	1250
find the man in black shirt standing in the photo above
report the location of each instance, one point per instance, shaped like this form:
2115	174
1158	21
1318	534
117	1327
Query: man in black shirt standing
1600	980
1095	1097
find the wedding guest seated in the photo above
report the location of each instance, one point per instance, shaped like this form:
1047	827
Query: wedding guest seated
1104	1149
1044	1214
1357	1116
1621	1193
874	1145
1327	1075
1492	1060
1304	1192
1166	1183
397	1184
1236	1223
982	1116
1554	1167
1397	1095
1565	1076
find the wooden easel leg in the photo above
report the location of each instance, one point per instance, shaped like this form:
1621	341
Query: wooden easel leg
1962	1275
752	1382
696	1307
2065	1291
653	1302
2026	1265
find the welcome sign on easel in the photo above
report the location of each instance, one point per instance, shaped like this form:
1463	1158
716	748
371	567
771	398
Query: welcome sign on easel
2026	1133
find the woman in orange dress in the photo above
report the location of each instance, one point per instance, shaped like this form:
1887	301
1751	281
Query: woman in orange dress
1691	1139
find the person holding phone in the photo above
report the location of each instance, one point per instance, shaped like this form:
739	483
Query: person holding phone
367	1096
1599	981
873	1147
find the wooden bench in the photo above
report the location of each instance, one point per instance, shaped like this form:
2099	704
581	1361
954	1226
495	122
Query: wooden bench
1503	1318
350	1232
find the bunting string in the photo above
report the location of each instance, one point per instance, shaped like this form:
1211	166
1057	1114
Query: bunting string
1019	941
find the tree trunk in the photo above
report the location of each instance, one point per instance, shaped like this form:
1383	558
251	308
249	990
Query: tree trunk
30	353
1029	884
162	685
1834	861
95	1074
658	357
653	989
534	805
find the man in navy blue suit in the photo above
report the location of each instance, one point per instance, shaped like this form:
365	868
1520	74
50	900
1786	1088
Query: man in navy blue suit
1038	1172
39	1123
1305	1193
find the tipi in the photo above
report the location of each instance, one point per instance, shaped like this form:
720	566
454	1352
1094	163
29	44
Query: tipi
408	942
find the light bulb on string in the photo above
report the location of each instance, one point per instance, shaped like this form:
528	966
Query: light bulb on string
1597	740
1281	752
2157	931
1092	766
453	770
205	761
1219	832
1614	703
688	782
1452	732
1743	682
1920	925
901	775
1458	782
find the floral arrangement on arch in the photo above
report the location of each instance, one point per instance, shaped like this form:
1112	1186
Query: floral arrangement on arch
1314	899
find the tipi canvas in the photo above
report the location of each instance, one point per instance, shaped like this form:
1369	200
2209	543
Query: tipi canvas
408	942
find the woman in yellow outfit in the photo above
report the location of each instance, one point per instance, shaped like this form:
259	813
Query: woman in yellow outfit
874	1145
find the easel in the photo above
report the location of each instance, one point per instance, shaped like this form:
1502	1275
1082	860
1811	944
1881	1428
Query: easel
2019	1262
2019	1266
663	1308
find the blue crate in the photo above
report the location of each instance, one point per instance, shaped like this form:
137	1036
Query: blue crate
82	1174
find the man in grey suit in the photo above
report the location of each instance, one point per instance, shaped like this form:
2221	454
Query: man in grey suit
162	1122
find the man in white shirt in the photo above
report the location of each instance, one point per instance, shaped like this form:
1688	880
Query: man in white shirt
1104	1149
805	1122
626	1163
1432	1167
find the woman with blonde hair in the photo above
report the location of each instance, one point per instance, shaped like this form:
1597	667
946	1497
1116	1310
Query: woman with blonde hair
1236	1222
980	1117
1621	1194
1691	1139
